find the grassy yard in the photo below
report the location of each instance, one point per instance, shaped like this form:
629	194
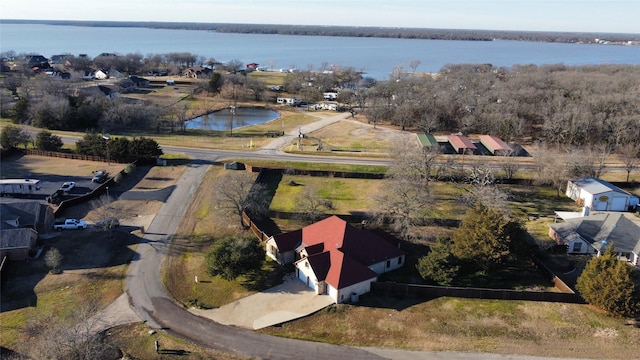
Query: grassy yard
468	325
202	226
93	269
345	195
135	341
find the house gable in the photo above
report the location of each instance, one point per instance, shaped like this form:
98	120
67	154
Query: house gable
345	258
598	231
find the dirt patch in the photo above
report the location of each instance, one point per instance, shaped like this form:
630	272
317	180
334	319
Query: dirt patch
159	178
353	135
32	165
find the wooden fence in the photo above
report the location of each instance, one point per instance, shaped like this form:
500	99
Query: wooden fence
66	155
564	294
246	221
432	291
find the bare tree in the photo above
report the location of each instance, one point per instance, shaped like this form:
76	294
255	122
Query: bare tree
107	213
237	192
414	64
311	204
73	335
485	190
53	259
407	195
510	165
630	154
551	166
233	90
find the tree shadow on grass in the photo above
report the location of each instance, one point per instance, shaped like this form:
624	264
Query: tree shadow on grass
80	250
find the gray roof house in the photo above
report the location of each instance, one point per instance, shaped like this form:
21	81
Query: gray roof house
20	224
593	233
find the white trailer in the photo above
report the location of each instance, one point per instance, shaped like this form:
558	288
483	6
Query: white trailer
18	186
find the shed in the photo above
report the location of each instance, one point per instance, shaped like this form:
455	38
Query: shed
461	144
495	145
600	195
427	140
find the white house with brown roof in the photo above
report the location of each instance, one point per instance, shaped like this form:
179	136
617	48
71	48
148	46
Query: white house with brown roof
335	258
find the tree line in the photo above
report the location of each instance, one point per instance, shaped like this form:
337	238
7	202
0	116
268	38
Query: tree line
357	31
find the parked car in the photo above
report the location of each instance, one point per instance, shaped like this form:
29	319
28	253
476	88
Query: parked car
100	176
68	186
107	223
69	224
56	197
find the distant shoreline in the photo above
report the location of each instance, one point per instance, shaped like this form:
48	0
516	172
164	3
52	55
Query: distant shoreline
353	31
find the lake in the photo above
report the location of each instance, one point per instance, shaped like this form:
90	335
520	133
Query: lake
221	120
375	56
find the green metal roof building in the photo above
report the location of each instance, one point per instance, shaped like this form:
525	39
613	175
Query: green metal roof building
427	139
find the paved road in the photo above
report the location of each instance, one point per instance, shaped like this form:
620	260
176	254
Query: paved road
149	300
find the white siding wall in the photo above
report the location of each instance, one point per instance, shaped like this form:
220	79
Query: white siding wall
381	267
360	288
305	272
271	248
615	201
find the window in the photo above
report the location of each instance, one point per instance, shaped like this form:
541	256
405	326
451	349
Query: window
388	263
577	247
400	260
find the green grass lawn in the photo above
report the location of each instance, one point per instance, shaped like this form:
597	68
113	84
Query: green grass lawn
346	195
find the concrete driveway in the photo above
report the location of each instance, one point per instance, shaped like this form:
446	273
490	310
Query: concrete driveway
288	301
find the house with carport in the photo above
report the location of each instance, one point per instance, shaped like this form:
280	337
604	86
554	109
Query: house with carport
335	258
600	195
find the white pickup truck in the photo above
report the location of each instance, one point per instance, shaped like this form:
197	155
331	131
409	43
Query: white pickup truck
70	224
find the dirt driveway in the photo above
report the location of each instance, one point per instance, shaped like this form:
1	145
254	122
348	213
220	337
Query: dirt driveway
288	301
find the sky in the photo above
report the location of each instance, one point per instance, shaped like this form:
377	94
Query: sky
610	16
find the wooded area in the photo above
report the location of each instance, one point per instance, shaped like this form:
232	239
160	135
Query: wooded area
358	31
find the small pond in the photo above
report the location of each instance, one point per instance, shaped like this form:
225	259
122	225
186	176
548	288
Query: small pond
221	120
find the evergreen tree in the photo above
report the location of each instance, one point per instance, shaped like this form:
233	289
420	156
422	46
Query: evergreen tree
486	238
440	264
608	283
12	136
231	257
144	150
46	141
91	144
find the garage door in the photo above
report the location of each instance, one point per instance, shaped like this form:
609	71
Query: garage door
601	206
619	204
